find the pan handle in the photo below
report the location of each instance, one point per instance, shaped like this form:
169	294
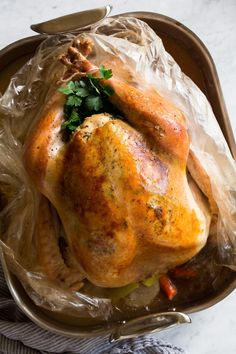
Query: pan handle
148	324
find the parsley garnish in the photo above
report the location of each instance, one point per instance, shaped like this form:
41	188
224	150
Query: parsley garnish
106	74
86	97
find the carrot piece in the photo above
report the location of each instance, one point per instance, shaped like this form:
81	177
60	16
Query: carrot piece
167	287
183	273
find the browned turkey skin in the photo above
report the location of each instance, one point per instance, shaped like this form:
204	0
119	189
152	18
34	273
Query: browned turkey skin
120	187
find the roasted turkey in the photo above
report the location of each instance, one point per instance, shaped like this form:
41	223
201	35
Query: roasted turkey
127	202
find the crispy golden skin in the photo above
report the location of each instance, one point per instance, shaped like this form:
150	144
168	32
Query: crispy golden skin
120	187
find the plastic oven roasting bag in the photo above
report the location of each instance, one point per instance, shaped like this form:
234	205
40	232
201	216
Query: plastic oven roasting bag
136	46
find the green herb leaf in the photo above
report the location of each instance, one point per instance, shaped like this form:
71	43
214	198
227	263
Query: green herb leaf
73	101
74	116
108	90
94	82
66	90
73	122
82	83
93	103
72	85
82	92
106	74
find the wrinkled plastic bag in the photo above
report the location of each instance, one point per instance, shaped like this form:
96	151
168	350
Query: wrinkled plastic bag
142	51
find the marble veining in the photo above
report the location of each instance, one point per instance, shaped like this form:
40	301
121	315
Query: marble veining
214	21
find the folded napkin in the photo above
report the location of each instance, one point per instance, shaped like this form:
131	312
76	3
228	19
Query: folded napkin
18	335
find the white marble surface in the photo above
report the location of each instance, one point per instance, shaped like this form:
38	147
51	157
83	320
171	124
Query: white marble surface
212	331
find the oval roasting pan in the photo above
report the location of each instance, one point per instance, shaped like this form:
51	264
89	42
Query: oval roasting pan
195	61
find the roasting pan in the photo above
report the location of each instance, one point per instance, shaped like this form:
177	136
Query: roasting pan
195	61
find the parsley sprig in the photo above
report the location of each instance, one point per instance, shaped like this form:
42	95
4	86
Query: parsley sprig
86	97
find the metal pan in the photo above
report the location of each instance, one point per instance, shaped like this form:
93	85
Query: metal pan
195	60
